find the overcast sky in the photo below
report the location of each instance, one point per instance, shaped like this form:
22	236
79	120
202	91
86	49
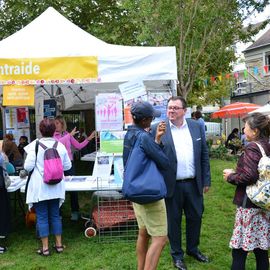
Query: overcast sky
254	19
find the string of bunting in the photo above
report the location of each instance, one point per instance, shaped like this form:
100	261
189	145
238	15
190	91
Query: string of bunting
215	79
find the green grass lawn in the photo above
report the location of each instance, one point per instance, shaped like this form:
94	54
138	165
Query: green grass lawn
83	253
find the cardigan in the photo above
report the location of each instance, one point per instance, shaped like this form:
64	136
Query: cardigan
67	140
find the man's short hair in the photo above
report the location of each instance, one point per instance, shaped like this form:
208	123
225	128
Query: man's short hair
173	98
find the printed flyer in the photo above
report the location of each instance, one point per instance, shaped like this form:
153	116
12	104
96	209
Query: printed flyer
103	166
118	170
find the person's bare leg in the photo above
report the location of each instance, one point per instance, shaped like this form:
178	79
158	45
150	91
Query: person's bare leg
142	247
154	252
45	243
58	240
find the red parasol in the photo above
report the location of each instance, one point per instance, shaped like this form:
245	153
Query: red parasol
235	110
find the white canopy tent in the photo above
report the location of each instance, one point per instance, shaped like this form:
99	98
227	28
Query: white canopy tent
51	35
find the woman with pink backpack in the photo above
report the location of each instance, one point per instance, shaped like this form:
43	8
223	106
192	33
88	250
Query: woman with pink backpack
45	197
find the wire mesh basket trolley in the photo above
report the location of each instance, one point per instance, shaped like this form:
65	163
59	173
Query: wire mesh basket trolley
112	217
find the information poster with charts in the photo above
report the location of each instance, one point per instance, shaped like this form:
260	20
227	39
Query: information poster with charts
109	114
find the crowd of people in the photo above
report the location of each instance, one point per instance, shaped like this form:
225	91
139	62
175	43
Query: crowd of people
184	164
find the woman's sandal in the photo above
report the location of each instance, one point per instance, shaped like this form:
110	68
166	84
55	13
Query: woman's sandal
59	249
43	252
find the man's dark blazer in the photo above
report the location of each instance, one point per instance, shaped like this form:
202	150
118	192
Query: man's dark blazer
201	156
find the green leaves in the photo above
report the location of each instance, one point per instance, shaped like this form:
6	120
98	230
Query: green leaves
203	31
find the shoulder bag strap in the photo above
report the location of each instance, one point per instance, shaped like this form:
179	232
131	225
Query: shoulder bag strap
42	145
261	149
136	141
55	144
30	173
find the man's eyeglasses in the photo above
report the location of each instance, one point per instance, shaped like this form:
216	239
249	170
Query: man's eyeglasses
174	108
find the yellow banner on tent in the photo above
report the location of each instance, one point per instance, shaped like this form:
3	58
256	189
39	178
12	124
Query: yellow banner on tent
47	69
18	95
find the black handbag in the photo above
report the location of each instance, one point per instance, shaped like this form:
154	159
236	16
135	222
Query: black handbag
143	182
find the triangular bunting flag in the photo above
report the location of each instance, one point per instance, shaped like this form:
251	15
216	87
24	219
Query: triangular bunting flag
266	69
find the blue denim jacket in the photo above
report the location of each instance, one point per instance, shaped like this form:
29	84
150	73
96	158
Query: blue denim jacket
148	144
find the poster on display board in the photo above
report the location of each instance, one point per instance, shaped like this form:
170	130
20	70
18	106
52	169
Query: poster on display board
23	118
132	89
24	132
49	108
10	118
127	106
17	133
112	141
17	122
39	111
159	101
109	114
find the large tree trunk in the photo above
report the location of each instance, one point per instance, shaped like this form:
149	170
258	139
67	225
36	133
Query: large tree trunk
182	91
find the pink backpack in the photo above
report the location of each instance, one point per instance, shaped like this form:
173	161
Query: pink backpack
53	166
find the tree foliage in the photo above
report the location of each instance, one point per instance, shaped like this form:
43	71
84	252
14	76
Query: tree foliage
203	31
104	19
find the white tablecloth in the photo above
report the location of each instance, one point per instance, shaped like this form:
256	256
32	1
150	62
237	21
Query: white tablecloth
82	183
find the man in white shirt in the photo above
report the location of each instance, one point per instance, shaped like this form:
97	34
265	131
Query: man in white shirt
185	145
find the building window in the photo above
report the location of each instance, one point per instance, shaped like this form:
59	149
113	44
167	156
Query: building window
267	60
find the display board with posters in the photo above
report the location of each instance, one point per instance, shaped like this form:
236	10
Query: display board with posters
17	122
110	111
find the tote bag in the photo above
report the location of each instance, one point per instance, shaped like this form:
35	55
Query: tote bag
259	193
143	182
